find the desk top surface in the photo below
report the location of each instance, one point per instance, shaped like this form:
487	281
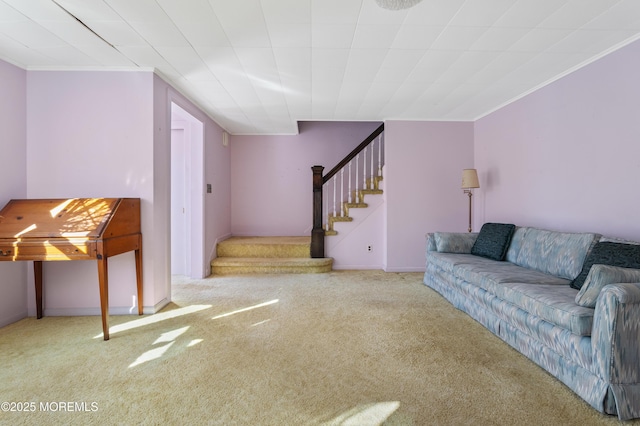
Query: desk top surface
56	218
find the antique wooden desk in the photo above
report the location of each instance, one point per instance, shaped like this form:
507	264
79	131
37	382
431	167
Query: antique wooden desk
73	229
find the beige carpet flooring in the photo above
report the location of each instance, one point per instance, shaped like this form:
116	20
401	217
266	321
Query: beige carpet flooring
342	348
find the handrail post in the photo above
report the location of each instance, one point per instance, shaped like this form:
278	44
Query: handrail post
317	233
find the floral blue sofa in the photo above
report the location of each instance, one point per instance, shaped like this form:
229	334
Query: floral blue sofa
570	302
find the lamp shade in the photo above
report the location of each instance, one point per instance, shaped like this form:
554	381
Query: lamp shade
470	179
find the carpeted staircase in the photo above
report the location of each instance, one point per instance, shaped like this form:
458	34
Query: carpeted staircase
374	188
277	255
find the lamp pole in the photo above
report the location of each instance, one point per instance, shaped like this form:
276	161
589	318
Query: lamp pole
469	181
469	193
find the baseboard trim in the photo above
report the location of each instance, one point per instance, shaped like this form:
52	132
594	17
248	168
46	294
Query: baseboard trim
113	310
357	267
13	318
408	269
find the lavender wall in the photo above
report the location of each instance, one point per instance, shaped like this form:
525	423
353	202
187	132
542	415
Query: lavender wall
567	157
90	134
107	134
271	175
424	162
13	162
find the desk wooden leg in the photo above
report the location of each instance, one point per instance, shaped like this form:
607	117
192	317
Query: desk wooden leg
138	254
37	272
104	294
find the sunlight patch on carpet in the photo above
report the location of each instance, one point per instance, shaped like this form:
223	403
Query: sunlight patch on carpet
170	336
260	305
152	319
369	414
151	355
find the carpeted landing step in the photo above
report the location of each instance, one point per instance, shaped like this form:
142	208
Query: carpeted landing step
277	255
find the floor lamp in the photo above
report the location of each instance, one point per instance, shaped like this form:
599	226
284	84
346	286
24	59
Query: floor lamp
469	181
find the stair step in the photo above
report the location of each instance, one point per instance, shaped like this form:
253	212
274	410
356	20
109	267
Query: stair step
269	265
267	255
358	205
340	219
264	247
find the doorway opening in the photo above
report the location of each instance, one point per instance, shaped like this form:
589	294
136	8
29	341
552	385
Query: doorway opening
187	194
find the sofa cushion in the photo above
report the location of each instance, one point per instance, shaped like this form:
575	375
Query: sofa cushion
553	303
516	242
448	261
601	275
493	240
454	242
557	253
609	253
491	273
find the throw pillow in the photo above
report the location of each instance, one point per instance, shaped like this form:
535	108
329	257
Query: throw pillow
493	240
600	276
454	242
609	253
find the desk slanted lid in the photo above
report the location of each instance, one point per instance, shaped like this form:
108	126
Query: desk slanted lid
56	218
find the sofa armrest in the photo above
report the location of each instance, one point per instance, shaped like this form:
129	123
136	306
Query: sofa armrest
431	242
452	242
614	338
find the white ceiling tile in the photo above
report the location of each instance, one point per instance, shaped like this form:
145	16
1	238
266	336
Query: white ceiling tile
183	58
621	16
39	10
118	33
17	53
256	61
290	35
202	73
90	10
209	87
481	13
611	40
575	14
433	13
458	38
203	33
259	65
335	11
72	33
467	65
287	11
371	14
139	11
374	36
498	38
10	14
293	63
577	41
163	34
528	14
538	40
402	58
188	12
416	37
106	55
30	34
71	56
147	56
245	26
333	36
434	63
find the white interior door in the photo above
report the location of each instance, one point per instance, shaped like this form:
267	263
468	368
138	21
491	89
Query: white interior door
187	195
179	205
